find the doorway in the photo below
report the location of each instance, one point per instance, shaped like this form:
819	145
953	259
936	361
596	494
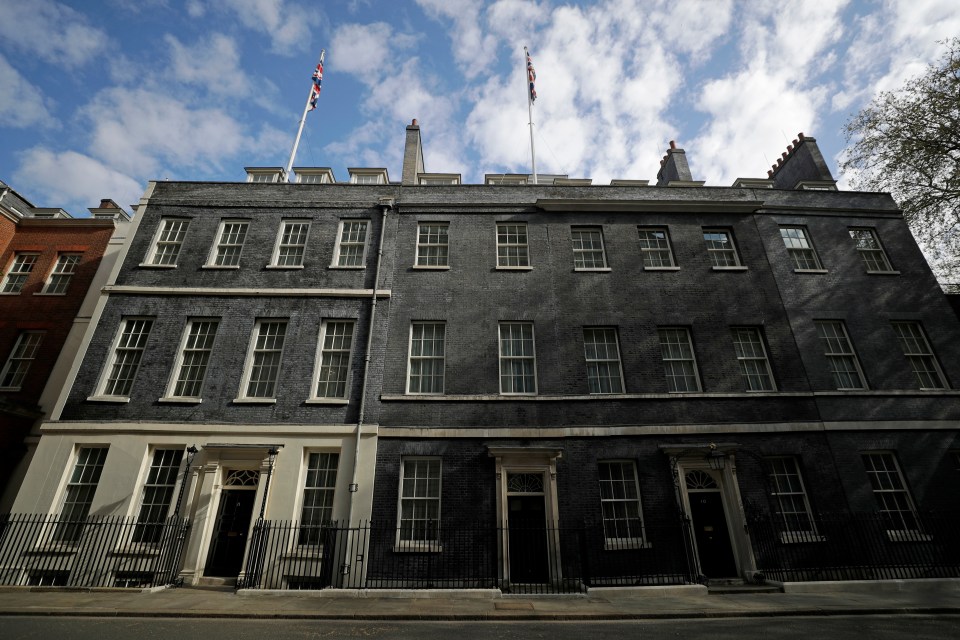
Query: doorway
527	524
230	533
710	526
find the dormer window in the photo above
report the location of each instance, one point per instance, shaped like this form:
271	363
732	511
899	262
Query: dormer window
368	176
322	175
264	174
438	178
505	178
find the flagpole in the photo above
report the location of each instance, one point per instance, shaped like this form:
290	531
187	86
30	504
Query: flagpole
526	70
303	119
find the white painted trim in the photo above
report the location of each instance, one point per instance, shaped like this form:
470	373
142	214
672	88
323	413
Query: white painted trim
245	291
659	430
203	431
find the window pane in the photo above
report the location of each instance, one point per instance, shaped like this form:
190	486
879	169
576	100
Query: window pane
353	238
22	356
678	360
517	360
337	341
655	248
432	244
512	248
169	240
265	363
318	494
127	356
588	249
620	501
603	360
195	357
752	357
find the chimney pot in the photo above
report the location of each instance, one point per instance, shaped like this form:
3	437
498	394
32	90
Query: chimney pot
107	203
673	144
784	155
796	142
415	123
769	173
800	135
790	147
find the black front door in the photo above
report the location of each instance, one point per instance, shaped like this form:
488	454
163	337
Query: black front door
230	533
710	531
527	523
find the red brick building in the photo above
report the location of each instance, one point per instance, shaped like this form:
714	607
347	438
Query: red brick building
48	262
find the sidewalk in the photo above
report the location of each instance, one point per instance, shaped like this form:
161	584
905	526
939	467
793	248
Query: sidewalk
599	604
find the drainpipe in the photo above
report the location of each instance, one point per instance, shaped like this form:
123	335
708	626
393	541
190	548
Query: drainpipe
385	205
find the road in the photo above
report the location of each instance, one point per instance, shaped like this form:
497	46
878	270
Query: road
915	627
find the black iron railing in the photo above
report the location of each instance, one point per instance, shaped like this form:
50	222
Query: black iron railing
519	560
96	551
861	546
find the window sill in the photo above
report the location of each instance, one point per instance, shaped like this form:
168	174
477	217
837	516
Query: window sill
141	549
661	268
883	273
431	267
592	269
9	389
312	552
799	537
282	267
254	401
221	266
907	535
333	401
737	268
414	546
513	268
625	544
9	293
113	399
810	271
53	295
174	400
144	265
358	267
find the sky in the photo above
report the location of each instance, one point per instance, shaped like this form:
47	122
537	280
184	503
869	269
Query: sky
99	97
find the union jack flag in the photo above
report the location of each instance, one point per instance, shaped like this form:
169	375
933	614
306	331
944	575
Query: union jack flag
531	77
317	81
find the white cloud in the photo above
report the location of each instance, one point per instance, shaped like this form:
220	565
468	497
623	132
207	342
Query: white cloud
144	131
367	50
757	108
213	63
21	103
289	24
472	48
52	31
605	81
74	181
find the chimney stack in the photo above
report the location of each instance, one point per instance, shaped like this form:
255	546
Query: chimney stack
412	155
673	167
801	162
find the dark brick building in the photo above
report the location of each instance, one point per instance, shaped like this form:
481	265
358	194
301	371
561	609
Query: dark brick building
696	380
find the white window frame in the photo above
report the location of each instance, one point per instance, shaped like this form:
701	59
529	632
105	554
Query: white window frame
310	534
275	259
893	497
786	487
21	359
416	357
213	260
323	351
17	276
153	514
430	540
115	348
338	247
924	353
252	351
579	251
442	245
62	274
630	541
522	257
524	358
79	481
838	349
188	343
667	370
717	252
656	247
610	362
744	359
872	255
798	242
163	230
